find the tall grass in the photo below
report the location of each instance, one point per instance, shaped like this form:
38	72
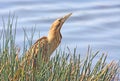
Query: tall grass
63	67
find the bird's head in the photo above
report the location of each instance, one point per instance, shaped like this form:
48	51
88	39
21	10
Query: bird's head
56	27
57	24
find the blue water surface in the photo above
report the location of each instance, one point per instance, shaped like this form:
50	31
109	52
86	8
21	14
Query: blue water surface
94	22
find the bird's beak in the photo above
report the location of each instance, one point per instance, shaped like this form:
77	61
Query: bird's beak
63	19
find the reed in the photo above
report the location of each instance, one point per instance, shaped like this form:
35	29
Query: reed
64	66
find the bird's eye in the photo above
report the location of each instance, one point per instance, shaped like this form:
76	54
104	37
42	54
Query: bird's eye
59	20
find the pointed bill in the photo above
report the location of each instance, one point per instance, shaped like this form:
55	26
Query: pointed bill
63	19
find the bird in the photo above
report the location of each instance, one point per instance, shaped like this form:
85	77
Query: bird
47	44
44	46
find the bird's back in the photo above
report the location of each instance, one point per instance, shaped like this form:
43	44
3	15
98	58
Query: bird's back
39	47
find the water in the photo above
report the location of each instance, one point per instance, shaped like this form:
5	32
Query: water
95	23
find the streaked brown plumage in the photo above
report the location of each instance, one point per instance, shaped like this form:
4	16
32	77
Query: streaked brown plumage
46	45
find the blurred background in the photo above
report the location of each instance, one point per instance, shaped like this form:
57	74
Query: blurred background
94	22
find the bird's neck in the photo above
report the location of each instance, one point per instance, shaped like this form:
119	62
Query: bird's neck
53	35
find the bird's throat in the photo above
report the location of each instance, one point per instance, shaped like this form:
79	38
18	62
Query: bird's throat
54	37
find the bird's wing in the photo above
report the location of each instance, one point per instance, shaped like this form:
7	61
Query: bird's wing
39	47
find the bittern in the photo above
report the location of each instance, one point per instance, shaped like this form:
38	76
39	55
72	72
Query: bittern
46	45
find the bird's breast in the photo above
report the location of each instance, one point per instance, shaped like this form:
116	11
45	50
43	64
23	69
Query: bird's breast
54	43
